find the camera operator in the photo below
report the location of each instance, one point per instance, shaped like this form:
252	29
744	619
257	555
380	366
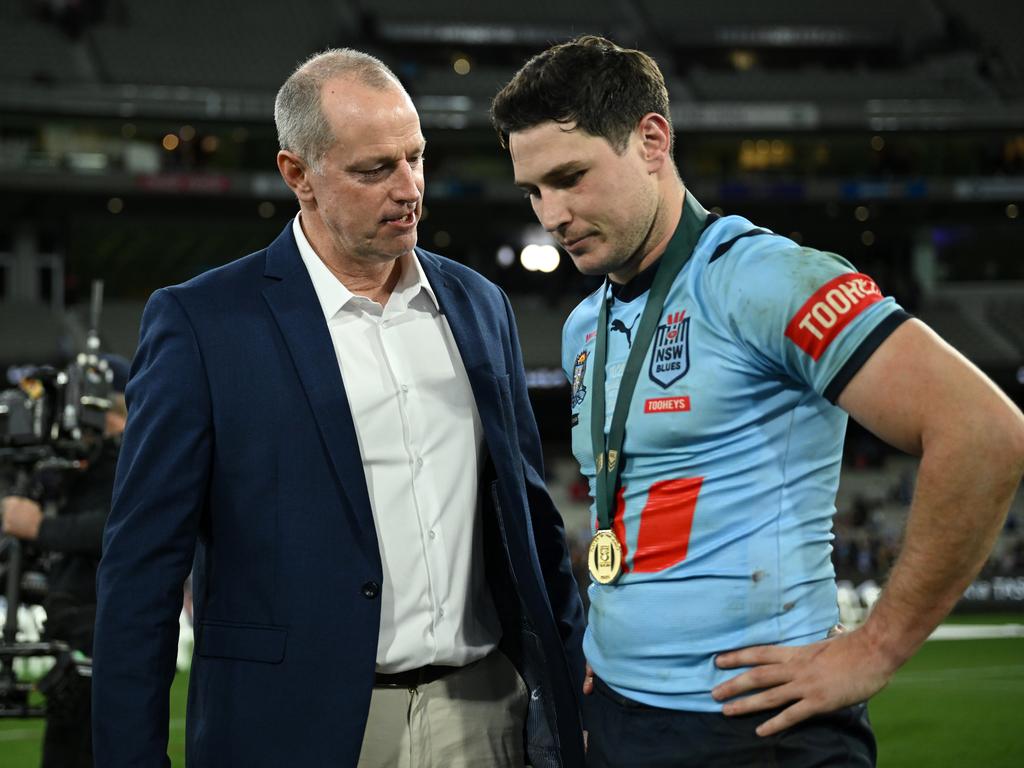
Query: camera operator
75	534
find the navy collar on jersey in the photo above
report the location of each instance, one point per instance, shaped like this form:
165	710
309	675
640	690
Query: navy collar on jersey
642	280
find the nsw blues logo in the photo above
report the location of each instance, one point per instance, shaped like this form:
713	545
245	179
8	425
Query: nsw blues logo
579	389
670	355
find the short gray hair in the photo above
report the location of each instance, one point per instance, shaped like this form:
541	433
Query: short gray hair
301	125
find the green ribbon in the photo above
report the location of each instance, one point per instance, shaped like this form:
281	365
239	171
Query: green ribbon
608	450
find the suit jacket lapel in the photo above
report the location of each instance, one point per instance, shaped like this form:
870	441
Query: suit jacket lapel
462	315
294	305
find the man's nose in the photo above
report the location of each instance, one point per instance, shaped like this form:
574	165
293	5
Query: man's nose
551	211
406	188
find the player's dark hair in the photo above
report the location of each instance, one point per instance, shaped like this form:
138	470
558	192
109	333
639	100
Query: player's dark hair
591	82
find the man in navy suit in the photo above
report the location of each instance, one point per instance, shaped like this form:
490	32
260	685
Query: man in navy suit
334	434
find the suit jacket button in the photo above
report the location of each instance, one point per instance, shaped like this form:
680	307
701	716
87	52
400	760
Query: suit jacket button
371	589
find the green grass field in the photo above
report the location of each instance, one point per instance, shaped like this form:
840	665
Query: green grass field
957	703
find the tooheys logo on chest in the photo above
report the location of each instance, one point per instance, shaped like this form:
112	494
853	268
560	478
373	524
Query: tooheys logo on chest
832	307
670	354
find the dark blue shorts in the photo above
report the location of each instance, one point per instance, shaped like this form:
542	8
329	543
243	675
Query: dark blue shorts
627	734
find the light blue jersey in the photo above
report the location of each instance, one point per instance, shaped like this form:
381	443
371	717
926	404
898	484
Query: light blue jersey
732	454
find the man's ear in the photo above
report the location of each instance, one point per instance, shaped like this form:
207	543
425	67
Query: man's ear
655	140
296	174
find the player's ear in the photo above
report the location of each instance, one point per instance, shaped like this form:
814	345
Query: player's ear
655	140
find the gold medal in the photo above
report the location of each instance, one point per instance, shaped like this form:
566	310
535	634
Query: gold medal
605	557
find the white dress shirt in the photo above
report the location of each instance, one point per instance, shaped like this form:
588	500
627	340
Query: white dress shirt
421	442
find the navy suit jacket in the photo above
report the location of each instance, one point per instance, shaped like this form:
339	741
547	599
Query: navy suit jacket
240	461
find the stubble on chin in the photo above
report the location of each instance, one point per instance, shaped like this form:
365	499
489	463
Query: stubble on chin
595	264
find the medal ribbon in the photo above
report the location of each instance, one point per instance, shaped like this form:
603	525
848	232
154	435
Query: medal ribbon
608	450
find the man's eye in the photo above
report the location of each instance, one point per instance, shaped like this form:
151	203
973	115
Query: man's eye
372	174
573	180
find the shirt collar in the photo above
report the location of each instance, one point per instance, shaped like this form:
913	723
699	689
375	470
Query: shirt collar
332	293
413	280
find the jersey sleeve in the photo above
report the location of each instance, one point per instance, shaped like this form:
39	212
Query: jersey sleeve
579	329
808	314
568	348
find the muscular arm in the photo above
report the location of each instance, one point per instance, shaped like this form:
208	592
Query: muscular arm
920	395
924	398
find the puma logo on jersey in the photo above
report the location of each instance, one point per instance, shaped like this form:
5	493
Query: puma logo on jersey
621	327
830	310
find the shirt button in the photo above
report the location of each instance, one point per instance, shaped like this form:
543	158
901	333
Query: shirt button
441	612
432	534
371	589
419	462
405	387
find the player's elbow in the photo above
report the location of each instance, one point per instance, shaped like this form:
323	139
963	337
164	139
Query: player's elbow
1004	445
1016	446
987	444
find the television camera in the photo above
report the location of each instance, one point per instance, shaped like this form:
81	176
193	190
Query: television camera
51	428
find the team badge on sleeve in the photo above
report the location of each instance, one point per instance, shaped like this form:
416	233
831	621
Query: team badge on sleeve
829	310
579	389
670	355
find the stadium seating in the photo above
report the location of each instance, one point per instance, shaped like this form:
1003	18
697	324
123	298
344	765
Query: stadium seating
228	44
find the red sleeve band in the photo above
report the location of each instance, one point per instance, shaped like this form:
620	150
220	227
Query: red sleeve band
833	306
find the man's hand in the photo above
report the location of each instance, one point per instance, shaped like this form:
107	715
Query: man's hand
588	688
811	679
21	517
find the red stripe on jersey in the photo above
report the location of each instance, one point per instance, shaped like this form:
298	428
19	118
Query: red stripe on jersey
665	524
829	310
619	525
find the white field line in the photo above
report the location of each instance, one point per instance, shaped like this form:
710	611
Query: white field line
1006	674
976	631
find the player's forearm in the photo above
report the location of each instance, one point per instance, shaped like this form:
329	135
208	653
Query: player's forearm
963	492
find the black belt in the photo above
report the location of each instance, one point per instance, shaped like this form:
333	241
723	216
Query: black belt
413	678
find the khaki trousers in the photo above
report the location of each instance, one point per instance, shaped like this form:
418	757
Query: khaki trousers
472	718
